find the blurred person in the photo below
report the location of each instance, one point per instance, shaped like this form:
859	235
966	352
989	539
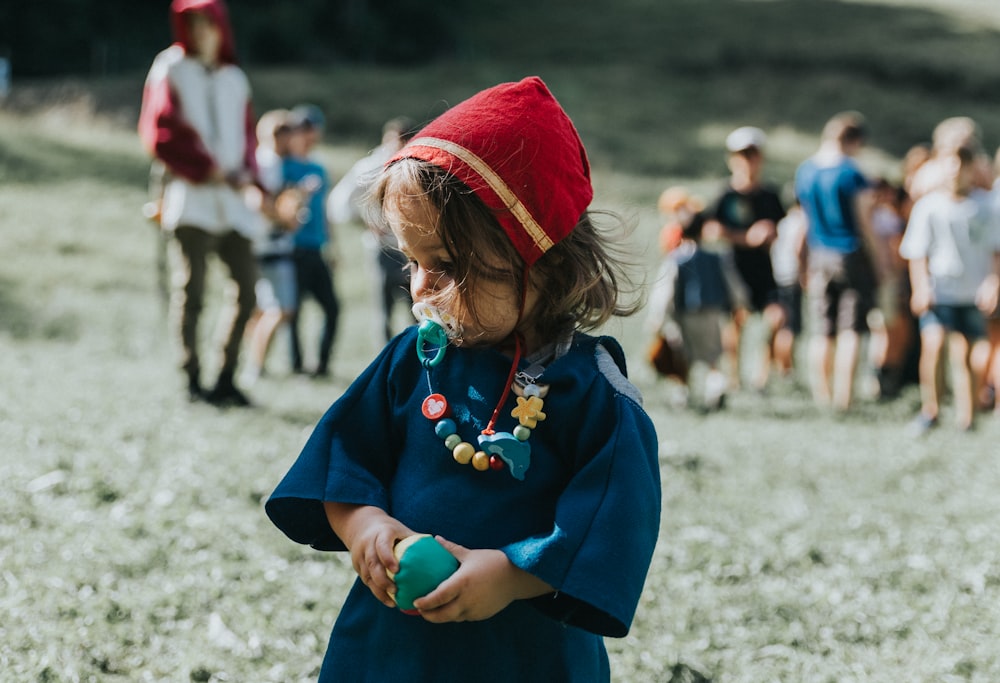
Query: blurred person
346	204
838	200
196	118
991	385
890	322
312	244
692	300
788	259
915	157
950	135
277	290
748	212
952	244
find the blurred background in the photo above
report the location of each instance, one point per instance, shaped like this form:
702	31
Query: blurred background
653	86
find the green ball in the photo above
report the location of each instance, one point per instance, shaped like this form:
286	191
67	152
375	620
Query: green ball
423	566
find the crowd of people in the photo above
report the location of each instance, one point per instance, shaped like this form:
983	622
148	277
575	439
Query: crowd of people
906	268
251	192
912	265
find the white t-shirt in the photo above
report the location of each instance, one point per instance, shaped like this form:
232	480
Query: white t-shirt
958	237
785	248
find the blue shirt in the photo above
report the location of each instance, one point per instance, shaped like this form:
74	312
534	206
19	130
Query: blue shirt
311	179
827	195
584	518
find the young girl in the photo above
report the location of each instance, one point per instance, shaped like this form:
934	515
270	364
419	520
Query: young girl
495	425
952	243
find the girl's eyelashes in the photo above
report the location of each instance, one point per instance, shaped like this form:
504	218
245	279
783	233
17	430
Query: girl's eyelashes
439	268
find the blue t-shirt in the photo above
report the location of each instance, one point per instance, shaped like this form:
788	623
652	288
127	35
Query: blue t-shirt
311	179
827	195
584	518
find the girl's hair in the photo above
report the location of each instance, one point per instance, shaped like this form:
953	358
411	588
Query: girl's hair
583	279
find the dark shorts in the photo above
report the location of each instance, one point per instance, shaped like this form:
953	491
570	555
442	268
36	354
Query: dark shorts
841	291
754	267
790	298
967	320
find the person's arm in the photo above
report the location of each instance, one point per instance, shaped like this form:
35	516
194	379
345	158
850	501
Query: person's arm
920	282
168	136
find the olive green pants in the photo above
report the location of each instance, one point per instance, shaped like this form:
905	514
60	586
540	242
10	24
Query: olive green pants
191	247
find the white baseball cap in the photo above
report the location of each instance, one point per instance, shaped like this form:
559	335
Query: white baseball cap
745	138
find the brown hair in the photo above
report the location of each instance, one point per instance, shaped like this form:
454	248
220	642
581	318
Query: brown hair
583	279
846	127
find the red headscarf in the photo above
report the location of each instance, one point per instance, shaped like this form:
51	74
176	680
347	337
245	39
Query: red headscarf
216	10
516	148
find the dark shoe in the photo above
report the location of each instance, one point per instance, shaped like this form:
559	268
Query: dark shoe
195	393
226	394
320	373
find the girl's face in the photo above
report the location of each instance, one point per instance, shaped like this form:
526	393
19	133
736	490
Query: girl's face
206	38
413	220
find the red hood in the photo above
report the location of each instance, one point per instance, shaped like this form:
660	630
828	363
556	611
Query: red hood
216	9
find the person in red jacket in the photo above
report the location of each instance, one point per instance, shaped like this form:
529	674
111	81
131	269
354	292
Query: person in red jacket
197	119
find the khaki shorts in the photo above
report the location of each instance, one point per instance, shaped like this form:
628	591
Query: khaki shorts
841	291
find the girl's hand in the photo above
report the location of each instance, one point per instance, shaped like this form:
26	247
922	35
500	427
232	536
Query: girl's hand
370	534
484	584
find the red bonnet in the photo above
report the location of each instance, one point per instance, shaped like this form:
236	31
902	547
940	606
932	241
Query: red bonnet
516	148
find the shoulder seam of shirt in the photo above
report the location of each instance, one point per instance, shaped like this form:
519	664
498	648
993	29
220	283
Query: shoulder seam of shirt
619	382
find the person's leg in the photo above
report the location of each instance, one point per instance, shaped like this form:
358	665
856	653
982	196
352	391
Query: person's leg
845	363
961	378
732	334
276	295
300	259
786	336
235	252
189	266
932	338
979	360
773	319
990	386
326	296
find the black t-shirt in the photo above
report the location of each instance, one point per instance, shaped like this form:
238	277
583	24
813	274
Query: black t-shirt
737	211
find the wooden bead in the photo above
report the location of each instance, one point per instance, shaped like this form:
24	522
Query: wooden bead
463	453
451	441
445	428
496	464
522	433
480	461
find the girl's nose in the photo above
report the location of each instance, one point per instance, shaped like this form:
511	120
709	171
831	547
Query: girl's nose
423	281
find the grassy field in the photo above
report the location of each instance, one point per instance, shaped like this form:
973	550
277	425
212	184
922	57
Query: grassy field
795	546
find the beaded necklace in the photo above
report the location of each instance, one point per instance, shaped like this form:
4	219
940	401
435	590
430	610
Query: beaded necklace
496	449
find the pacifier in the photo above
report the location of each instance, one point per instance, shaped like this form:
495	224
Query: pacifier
449	323
436	328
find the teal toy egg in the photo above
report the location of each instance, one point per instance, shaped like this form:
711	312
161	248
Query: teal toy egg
423	565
